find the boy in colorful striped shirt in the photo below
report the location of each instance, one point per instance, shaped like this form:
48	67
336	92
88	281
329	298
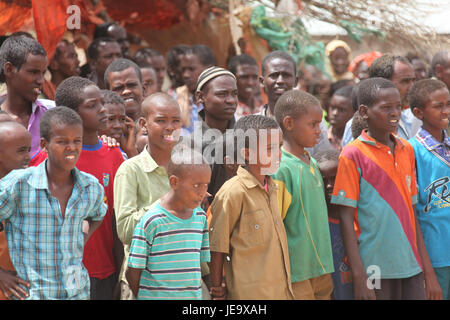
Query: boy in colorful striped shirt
429	100
375	188
172	238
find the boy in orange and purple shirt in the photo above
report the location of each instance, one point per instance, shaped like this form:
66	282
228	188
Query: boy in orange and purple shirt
376	190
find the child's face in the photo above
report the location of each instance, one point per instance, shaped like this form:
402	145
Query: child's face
246	80
126	83
29	79
339	111
163	126
437	109
383	116
116	120
220	98
15	150
328	169
305	129
91	110
64	147
267	158
191	185
339	60
149	81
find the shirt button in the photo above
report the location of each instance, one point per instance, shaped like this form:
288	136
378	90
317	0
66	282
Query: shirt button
256	226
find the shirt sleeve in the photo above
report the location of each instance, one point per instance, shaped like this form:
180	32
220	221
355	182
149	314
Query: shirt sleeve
99	207
283	194
125	204
346	186
7	196
140	246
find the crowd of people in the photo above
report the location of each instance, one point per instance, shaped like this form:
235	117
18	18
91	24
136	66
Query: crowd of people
113	187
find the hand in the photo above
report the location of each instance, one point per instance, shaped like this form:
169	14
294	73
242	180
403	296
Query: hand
361	290
10	285
111	142
128	140
432	287
218	293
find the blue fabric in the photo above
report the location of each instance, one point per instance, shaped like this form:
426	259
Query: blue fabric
45	248
433	207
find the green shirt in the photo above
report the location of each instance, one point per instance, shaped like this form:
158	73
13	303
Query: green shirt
302	204
139	182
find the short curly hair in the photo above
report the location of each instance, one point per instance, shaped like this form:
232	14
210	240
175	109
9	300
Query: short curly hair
421	90
69	92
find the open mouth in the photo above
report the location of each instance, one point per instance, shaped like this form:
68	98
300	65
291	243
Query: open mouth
37	91
71	157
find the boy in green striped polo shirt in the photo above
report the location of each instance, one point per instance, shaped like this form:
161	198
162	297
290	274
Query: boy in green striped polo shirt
172	238
301	197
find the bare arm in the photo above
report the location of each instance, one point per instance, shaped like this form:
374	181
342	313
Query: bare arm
217	290
133	276
432	287
360	288
89	226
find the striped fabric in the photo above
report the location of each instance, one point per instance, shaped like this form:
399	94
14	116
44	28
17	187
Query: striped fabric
382	188
211	73
46	249
169	250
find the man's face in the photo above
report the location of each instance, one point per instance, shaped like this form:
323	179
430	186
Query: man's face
279	77
191	68
91	110
127	84
118	33
149	81
67	62
107	53
159	64
339	60
403	78
219	98
420	69
29	79
443	72
246	80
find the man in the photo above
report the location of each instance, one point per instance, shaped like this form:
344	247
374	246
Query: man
101	53
117	32
155	59
440	67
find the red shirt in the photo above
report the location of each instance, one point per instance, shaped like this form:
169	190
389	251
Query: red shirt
102	162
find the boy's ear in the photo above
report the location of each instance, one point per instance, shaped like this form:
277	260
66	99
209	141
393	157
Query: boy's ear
173	181
44	144
9	69
363	111
288	123
418	113
143	123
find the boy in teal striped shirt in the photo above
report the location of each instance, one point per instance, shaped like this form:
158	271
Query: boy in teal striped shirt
172	238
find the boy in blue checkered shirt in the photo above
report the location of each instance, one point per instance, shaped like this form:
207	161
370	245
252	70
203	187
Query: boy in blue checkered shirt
44	209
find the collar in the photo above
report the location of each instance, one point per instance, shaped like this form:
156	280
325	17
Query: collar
250	181
430	141
95	147
364	137
42	105
39	180
146	160
201	114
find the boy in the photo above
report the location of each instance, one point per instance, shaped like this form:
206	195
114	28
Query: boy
103	253
430	102
119	126
339	112
171	239
59	196
327	160
15	144
23	63
143	179
301	197
246	224
124	77
376	190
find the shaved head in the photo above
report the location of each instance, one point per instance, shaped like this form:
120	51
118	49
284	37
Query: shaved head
11	128
155	100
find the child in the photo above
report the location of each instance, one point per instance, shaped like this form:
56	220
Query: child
246	224
301	197
103	253
23	63
376	190
327	160
339	112
171	239
119	126
15	144
143	179
430	102
50	258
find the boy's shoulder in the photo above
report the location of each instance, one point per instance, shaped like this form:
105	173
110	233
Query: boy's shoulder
17	176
